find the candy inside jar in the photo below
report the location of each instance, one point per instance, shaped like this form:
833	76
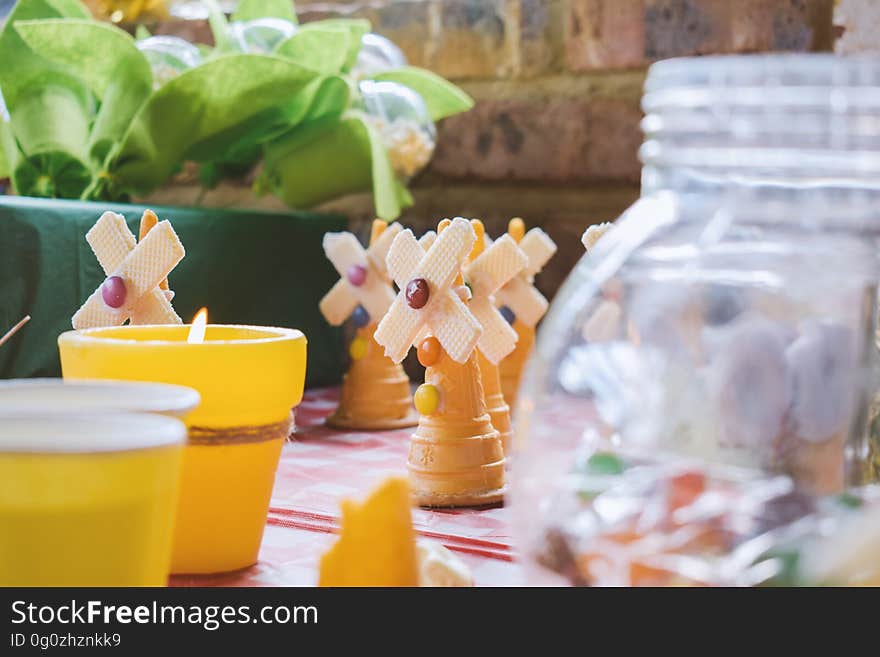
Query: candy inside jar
169	56
402	120
261	35
743	350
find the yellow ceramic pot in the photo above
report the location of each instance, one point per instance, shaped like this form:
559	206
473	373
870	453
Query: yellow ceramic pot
249	379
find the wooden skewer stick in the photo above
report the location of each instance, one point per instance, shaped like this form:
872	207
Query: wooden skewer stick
14	329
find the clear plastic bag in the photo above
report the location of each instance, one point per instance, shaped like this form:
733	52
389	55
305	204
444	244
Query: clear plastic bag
169	56
402	119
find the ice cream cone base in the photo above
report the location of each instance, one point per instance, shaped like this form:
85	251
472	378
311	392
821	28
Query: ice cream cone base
375	393
511	368
498	409
456	458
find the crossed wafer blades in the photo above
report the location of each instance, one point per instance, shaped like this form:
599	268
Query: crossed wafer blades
444	314
375	294
142	266
485	275
520	293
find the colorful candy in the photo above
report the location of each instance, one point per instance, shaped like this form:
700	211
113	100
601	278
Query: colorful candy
417	293
360	317
356	275
113	292
427	399
429	351
358	348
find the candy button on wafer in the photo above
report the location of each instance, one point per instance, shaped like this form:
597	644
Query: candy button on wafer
113	292
508	314
429	351
360	317
357	275
358	348
427	399
417	293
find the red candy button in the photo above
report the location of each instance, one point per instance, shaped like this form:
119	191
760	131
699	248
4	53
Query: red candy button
113	292
417	293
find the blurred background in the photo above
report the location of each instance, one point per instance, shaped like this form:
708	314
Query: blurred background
555	133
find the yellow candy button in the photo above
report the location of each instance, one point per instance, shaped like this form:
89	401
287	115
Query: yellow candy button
358	348
427	399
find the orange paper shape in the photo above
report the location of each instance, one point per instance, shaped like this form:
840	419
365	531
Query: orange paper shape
377	543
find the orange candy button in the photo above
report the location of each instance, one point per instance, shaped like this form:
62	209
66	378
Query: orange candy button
429	351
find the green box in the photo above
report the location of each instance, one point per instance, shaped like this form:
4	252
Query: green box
247	267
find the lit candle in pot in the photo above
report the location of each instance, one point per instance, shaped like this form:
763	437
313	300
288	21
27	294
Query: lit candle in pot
249	379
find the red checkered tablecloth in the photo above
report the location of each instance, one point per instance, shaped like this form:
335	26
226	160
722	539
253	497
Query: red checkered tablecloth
322	466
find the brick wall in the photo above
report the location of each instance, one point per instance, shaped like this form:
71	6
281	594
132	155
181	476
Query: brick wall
555	132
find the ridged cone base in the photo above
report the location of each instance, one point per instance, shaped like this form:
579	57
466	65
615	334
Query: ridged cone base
456	457
511	368
375	392
498	409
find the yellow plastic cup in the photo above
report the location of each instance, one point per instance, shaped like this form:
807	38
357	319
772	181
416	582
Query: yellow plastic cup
88	500
30	397
249	379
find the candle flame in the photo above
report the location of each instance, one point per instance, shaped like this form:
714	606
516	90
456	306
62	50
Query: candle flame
197	329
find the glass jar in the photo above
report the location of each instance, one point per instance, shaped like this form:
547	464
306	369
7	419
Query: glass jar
729	315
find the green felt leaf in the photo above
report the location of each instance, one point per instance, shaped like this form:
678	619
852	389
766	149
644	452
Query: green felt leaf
51	174
316	162
385	190
50	124
142	33
53	113
8	149
322	49
219	28
19	64
70	8
324	160
250	9
106	59
356	28
441	96
95	52
326	97
206	110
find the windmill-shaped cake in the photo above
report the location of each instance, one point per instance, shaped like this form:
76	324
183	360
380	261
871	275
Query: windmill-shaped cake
375	390
522	303
136	287
456	457
492	265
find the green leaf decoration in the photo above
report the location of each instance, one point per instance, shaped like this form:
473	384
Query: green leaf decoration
51	174
356	28
219	28
204	111
106	59
325	159
13	49
441	96
323	49
70	8
51	122
8	149
250	9
141	33
385	185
